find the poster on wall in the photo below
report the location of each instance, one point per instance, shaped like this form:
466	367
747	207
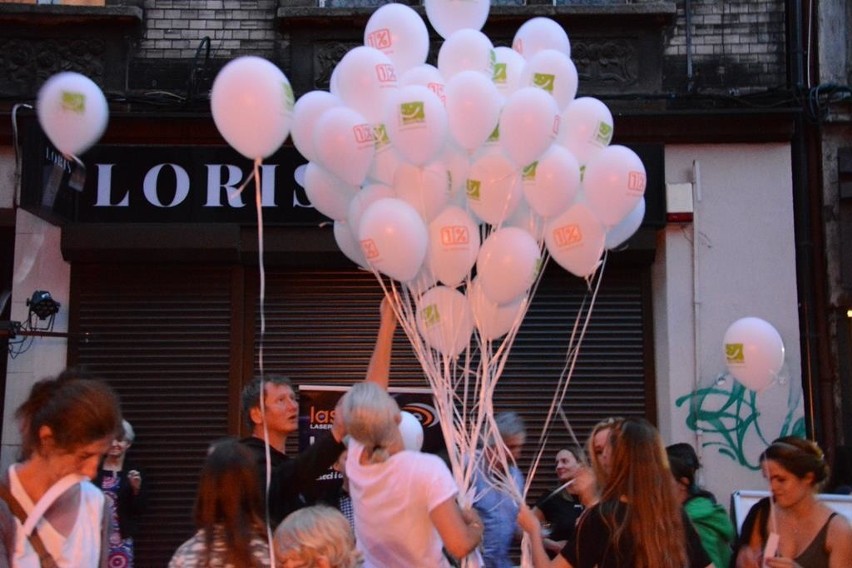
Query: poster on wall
316	412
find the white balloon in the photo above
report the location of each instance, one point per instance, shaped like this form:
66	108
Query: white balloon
554	72
754	352
393	238
473	108
552	183
400	33
411	429
385	159
306	113
345	144
72	111
453	245
329	194
494	187
466	50
366	78
368	195
449	16
613	182
444	320
426	188
618	234
528	220
416	123
348	244
508	263
493	320
508	66
425	75
252	105
575	240
528	124
540	33
586	128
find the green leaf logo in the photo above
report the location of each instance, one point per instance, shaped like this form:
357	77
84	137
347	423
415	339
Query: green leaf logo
544	81
528	173
495	135
412	113
74	102
289	98
501	74
734	353
604	134
431	316
473	189
380	134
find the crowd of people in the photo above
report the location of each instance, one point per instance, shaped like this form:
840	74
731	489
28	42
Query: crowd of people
625	500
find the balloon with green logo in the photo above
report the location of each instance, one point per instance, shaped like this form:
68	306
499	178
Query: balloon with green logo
754	352
72	111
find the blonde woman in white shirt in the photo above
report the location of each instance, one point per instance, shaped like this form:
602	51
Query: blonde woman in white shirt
405	502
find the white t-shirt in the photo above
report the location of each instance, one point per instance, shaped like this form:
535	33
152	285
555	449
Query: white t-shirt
80	549
392	502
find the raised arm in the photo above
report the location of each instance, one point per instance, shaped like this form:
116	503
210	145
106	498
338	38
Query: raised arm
379	369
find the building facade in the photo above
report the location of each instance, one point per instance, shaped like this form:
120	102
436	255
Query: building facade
161	295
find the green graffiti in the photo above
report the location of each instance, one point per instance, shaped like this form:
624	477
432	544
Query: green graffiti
730	416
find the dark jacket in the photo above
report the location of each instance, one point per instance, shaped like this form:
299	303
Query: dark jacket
292	477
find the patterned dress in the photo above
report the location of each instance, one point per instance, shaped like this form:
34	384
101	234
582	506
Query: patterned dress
120	549
193	552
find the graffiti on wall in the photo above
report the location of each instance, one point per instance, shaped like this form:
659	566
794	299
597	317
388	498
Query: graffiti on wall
728	415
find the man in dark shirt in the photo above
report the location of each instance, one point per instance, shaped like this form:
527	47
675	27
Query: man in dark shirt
291	477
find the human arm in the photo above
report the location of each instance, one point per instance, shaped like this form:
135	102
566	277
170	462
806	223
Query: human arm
528	520
460	530
839	542
378	370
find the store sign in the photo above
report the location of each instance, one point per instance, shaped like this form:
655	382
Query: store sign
161	184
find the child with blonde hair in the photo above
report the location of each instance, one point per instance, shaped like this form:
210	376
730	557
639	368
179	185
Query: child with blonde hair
316	537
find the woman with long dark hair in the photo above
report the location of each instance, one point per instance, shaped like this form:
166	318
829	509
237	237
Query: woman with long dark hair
639	522
228	513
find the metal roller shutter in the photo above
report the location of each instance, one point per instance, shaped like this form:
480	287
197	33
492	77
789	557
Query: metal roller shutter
161	335
178	341
320	327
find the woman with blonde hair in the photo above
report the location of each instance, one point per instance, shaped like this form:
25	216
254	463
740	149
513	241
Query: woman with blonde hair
316	537
405	501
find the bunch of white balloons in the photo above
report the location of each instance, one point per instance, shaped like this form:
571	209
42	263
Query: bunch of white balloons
431	171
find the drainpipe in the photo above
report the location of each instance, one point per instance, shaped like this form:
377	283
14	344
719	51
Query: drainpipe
817	377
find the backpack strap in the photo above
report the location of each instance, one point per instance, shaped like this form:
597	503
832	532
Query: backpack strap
44	556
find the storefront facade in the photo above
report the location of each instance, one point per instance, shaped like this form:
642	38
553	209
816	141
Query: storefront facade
158	273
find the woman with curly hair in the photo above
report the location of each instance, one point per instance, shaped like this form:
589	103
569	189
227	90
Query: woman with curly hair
228	513
809	533
316	537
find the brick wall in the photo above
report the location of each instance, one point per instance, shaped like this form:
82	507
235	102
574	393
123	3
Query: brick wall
174	28
738	46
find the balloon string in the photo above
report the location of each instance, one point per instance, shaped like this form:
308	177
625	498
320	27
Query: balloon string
262	309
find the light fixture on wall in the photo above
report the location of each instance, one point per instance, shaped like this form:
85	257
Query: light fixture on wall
43	306
41	313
